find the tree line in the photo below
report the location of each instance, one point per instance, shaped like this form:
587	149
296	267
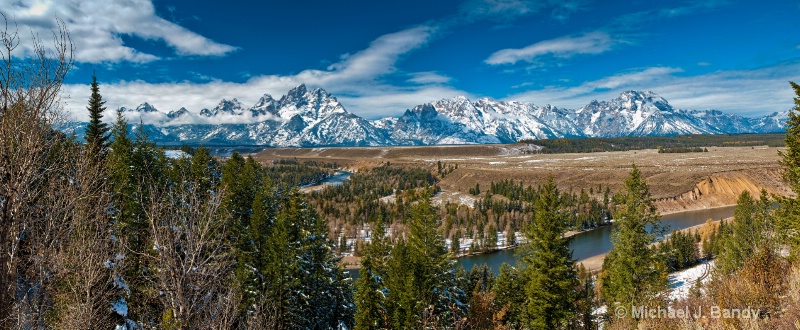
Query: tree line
576	145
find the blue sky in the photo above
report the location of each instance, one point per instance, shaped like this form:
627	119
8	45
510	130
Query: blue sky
382	57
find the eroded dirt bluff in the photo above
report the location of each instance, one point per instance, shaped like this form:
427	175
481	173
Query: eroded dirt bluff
724	188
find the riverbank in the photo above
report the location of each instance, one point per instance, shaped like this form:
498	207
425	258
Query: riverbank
338	177
353	262
595	263
585	242
697	207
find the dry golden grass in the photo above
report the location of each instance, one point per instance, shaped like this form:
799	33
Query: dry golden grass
678	182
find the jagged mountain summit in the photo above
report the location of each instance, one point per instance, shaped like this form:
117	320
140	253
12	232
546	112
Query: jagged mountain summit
306	118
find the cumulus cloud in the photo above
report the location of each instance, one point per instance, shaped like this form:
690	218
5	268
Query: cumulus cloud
564	47
753	92
97	27
355	80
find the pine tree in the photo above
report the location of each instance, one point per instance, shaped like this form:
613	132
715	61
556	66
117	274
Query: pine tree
510	289
96	131
204	170
737	247
269	263
632	275
421	281
294	267
242	179
128	217
400	299
134	167
789	212
550	269
585	304
749	233
370	295
434	282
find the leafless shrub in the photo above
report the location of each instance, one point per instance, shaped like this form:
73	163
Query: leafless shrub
192	258
53	229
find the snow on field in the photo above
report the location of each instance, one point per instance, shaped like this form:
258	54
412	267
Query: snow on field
176	154
681	282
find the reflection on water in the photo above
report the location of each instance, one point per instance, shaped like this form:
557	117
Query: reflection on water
598	241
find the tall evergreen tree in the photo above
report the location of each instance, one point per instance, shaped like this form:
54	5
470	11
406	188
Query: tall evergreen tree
400	299
294	269
749	233
585	304
434	282
325	297
738	246
550	269
510	289
370	295
205	170
268	263
135	167
789	212
632	275
96	131
421	280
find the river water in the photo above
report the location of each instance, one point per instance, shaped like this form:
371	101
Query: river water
337	178
598	241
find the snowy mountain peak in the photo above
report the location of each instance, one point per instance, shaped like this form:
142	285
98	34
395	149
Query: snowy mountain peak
643	97
640	95
265	100
321	93
229	107
311	106
265	105
294	94
175	114
146	107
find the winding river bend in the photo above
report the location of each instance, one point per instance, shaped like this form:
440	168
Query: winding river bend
338	177
598	241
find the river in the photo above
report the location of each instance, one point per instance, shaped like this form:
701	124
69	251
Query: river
337	178
598	241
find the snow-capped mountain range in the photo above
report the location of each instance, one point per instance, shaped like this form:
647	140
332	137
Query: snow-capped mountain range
305	118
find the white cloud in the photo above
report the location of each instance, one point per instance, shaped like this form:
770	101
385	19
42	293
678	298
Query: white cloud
564	47
428	77
355	80
746	92
377	60
191	118
503	10
97	27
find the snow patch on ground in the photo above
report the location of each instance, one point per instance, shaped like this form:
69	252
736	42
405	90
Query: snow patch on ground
176	154
120	307
681	282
